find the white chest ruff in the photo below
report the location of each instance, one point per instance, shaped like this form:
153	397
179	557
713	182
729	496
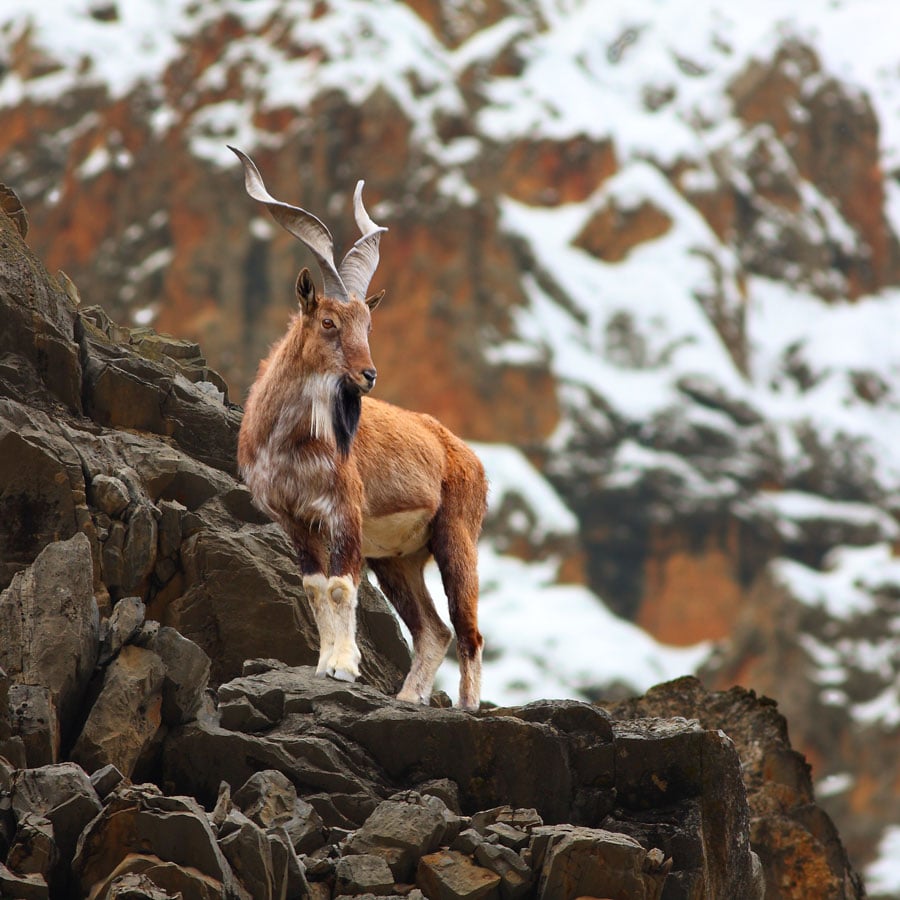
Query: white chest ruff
398	534
296	485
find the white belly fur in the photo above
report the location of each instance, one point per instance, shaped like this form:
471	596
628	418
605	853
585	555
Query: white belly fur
397	534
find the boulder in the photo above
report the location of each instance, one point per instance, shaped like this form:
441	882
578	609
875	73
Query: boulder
448	875
49	624
127	713
142	876
515	875
35	723
109	494
34	850
270	799
61	793
186	675
249	852
400	833
137	887
121	627
363	874
22	887
289	873
106	779
589	862
168	832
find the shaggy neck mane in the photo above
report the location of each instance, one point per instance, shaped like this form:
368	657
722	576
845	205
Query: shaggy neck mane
325	408
346	410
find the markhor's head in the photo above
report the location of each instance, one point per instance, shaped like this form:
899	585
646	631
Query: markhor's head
337	322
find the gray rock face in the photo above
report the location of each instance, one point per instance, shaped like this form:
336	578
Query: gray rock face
171	829
364	874
449	875
35	722
186	677
49	624
127	713
399	833
587	862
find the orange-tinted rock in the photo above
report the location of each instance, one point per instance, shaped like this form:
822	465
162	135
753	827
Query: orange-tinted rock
453	24
834	147
612	232
549	173
691	594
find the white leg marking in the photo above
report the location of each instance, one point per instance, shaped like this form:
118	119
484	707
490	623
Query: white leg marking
316	587
430	648
343	663
470	681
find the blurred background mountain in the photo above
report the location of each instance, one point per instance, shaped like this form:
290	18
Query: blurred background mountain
645	254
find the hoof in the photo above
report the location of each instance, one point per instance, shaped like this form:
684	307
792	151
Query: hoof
413	697
343	675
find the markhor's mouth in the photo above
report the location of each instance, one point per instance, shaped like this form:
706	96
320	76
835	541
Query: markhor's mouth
351	384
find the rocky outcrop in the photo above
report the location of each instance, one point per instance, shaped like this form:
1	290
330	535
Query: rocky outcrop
160	756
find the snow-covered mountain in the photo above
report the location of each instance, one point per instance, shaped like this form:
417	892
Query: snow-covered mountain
645	253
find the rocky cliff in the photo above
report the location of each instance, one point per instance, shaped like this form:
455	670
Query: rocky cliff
148	751
651	246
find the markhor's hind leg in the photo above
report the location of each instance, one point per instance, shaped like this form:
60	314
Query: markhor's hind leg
456	554
401	578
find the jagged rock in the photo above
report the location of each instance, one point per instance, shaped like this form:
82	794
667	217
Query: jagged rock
511	837
106	779
137	887
289	875
587	862
785	824
109	494
244	599
163	879
444	789
35	722
400	833
519	819
363	874
515	875
167	832
169	529
186	677
240	714
125	622
247	848
127	713
467	841
269	798
402	740
63	794
448	875
22	887
34	850
49	624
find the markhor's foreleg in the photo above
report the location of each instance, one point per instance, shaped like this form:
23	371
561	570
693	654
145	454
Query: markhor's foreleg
311	560
341	590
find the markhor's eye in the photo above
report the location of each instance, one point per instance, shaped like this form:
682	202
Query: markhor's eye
327	323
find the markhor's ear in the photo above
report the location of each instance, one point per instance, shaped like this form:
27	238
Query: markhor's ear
374	300
306	292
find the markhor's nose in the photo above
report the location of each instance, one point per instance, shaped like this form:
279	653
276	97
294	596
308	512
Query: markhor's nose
370	375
